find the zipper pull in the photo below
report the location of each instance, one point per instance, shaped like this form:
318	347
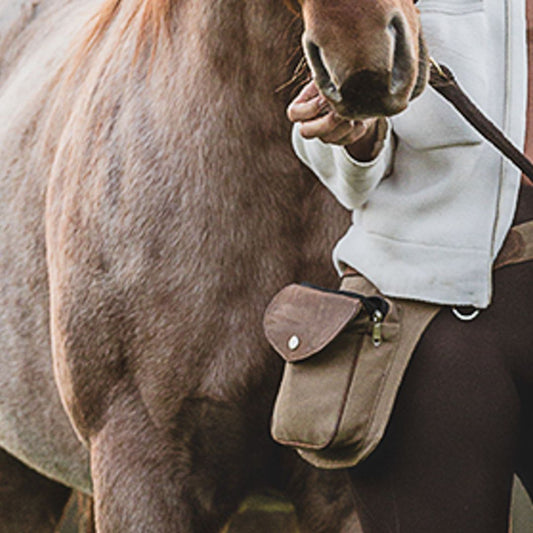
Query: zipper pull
377	320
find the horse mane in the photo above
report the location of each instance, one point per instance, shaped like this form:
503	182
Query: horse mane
293	6
150	19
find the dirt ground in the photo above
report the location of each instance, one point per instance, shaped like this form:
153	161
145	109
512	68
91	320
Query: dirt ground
271	513
263	513
259	513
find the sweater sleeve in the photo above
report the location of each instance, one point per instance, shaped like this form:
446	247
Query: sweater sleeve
349	180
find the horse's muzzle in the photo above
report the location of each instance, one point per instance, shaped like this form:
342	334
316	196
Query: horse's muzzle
367	90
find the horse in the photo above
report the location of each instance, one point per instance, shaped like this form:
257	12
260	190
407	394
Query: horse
151	206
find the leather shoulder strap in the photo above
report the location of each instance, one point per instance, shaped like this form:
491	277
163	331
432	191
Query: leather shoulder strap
518	246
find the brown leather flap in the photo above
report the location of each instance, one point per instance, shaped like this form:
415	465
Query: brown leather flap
300	320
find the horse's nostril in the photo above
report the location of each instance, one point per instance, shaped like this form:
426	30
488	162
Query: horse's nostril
401	55
320	72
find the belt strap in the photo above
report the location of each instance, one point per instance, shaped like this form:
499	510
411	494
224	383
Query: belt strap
518	246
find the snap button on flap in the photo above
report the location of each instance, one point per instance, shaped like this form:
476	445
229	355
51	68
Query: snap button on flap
301	320
294	342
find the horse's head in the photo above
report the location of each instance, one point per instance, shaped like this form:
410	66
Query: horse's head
367	56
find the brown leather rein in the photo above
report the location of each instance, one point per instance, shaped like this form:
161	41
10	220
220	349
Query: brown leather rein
444	82
518	246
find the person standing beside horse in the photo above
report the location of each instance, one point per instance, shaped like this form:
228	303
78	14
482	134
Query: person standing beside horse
431	201
431	206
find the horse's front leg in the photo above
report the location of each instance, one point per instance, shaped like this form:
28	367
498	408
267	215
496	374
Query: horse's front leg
323	499
133	474
168	453
187	477
149	479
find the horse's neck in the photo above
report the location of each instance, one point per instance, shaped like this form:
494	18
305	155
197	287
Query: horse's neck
249	36
243	52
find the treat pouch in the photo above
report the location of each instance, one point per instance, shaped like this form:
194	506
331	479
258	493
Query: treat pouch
345	354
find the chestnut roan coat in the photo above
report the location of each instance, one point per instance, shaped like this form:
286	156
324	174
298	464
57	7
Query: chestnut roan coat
150	206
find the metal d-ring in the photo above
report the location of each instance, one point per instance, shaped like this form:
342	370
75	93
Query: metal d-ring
465	317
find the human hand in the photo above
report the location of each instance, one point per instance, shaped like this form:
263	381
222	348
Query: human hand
318	120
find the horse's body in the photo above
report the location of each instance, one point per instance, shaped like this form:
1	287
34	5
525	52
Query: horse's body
150	206
186	211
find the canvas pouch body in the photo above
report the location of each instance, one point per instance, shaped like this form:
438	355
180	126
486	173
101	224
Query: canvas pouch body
345	355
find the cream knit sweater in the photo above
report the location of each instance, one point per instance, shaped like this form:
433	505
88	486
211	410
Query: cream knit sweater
430	213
